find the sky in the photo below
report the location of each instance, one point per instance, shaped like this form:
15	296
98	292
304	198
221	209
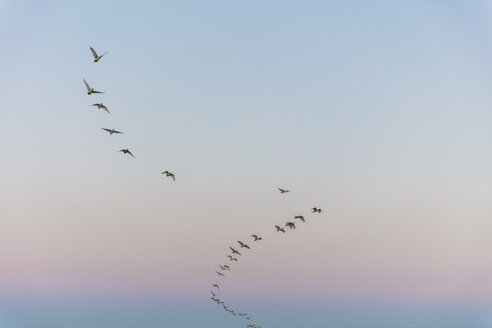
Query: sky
379	112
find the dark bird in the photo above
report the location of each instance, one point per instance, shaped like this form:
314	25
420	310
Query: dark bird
169	174
89	89
216	286
280	229
243	245
213	294
316	210
220	274
96	56
126	151
226	267
232	258
300	217
101	106
291	225
234	251
111	131
256	238
283	191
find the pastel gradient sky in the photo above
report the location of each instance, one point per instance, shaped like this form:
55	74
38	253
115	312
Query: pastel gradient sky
380	112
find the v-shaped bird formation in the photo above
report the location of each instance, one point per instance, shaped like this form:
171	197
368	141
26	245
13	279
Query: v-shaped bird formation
236	250
224	268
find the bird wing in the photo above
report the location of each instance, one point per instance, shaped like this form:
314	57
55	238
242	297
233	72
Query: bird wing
94	91
93	52
172	176
87	85
107	130
129	152
103	55
114	131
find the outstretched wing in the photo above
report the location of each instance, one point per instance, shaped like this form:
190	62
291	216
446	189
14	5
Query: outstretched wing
129	152
94	91
107	130
104	107
87	85
93	52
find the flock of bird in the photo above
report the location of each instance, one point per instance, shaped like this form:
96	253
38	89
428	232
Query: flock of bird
234	253
224	269
100	105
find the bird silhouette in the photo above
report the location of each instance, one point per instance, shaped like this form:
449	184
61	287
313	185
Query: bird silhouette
291	225
169	174
96	56
243	245
234	251
216	286
316	210
232	258
220	274
89	89
226	267
283	191
111	131
280	228
126	151
256	238
300	217
101	106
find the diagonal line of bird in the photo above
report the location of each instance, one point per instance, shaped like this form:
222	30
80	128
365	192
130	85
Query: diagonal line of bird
90	91
235	254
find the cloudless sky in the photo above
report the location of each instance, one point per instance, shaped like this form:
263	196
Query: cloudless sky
379	112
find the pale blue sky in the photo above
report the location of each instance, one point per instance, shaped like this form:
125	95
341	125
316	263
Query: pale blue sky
377	111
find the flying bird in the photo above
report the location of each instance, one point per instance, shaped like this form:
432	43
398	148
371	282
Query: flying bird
89	89
280	229
101	106
226	267
256	238
300	217
316	210
243	245
169	174
96	56
291	225
234	251
216	286
283	191
213	294
126	151
232	258
111	131
220	274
